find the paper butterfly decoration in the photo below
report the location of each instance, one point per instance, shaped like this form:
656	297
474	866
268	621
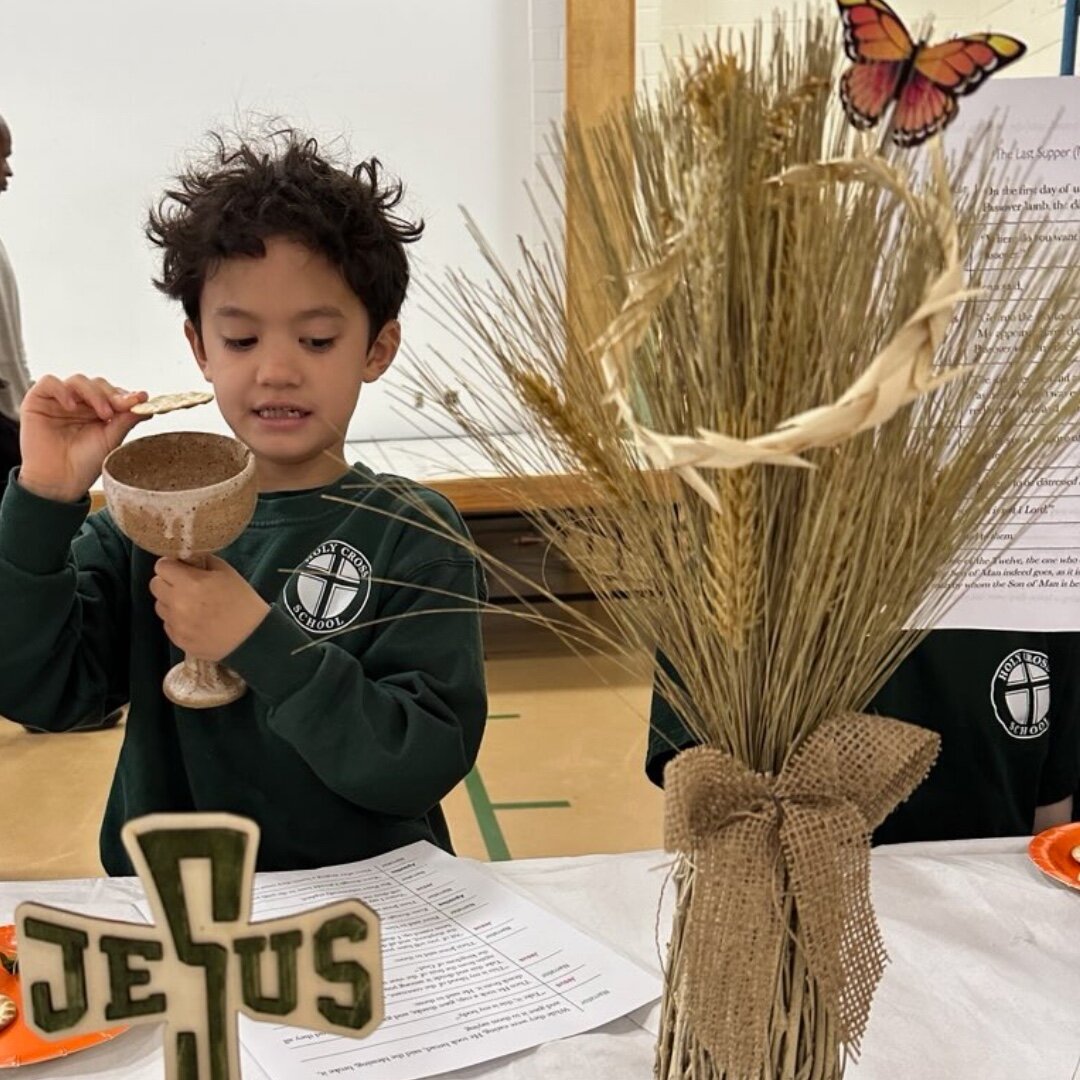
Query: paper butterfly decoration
920	82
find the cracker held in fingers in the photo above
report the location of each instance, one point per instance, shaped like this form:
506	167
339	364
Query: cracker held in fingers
164	403
8	1011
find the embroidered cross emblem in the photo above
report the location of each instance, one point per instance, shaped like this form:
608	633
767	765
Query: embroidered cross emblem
334	588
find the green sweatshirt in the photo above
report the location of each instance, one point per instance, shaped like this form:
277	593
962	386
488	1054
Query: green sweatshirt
1007	706
339	750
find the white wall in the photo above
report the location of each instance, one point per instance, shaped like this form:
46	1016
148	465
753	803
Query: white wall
663	24
105	98
547	19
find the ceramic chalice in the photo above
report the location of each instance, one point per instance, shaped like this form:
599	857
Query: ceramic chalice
184	494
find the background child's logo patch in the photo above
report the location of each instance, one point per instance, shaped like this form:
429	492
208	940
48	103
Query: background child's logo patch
330	589
1021	694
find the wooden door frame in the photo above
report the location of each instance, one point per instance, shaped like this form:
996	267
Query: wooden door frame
600	49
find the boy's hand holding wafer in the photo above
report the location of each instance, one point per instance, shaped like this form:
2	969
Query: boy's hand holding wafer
68	428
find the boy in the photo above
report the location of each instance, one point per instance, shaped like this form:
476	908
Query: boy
1006	705
366	699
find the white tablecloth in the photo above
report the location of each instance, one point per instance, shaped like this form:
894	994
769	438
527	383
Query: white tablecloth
984	982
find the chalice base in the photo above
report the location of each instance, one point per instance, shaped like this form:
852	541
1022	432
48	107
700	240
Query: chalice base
202	684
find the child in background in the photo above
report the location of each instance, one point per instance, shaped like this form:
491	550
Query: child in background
1007	706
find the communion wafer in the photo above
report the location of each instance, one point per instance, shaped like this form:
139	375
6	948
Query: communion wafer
164	403
8	1011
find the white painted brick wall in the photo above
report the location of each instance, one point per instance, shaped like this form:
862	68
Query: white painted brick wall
547	48
548	14
547	43
548	51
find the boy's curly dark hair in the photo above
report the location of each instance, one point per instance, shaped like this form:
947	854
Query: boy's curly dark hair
282	186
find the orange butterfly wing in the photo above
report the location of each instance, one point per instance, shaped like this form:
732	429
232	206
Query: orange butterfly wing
867	90
922	110
942	73
962	64
878	42
874	32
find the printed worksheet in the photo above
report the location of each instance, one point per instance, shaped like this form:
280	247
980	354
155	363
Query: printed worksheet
1026	573
473	971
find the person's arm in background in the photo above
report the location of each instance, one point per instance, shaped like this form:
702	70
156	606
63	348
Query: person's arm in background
1061	772
1059	813
668	733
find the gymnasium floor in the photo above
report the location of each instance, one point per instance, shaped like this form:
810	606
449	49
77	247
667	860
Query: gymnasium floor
560	771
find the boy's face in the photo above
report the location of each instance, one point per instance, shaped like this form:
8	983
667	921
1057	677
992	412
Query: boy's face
285	343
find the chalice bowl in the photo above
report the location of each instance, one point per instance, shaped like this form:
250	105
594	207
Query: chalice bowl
184	495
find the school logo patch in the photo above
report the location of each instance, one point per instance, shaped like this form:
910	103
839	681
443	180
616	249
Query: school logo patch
329	590
1020	693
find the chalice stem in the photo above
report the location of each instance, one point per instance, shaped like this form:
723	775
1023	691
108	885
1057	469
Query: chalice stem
202	684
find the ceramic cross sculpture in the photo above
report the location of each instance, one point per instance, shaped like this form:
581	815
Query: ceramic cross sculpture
203	960
184	494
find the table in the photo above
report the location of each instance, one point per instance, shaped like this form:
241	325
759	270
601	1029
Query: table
984	981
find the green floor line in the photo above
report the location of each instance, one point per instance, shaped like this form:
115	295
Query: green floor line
529	805
482	806
505	716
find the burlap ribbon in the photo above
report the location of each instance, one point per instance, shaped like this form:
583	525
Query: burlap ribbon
750	838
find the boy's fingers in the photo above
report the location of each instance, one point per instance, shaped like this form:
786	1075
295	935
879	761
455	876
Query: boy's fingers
175	571
50	388
122	400
158	586
80	394
164	567
121	424
93	392
107	395
46	386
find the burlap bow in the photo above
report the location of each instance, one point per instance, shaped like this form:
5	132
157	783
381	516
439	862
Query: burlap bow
753	837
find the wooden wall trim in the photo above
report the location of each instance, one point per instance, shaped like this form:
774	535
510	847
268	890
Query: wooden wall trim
600	48
600	45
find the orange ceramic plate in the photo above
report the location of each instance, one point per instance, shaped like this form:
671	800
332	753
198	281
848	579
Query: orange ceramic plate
1051	852
18	1044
